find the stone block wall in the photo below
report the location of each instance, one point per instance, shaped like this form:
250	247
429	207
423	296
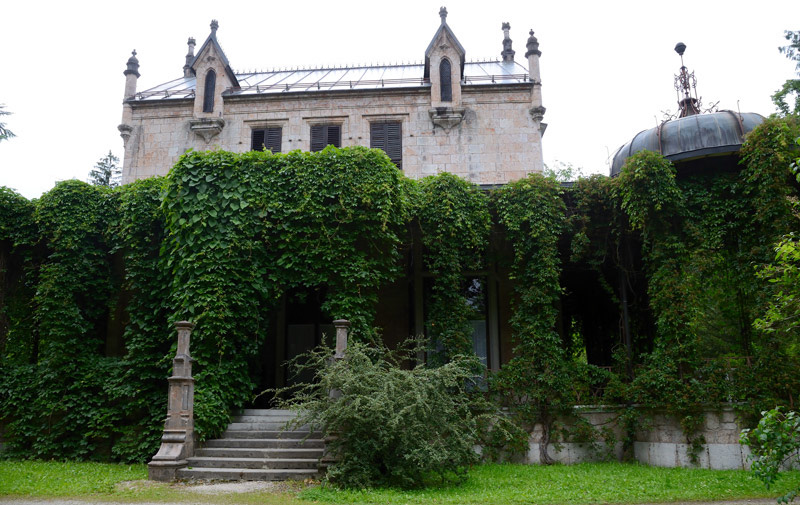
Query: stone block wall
659	441
496	142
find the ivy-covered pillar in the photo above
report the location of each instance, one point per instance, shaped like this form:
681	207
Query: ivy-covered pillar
177	442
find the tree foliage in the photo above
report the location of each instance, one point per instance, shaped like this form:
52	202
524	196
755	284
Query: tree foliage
775	445
791	86
388	425
106	171
5	133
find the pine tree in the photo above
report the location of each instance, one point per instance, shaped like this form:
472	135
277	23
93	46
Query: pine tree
106	172
5	133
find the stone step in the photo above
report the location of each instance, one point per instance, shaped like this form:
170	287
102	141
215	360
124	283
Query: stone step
249	452
253	463
287	435
262	419
246	474
268	413
265	443
263	426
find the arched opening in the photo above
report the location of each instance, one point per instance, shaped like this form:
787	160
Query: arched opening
445	82
208	92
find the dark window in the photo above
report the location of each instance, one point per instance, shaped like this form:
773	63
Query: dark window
208	92
389	137
266	137
323	135
444	80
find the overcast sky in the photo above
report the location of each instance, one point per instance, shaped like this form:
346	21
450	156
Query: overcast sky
607	67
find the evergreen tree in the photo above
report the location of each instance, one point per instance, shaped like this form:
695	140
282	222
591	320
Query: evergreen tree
106	172
5	133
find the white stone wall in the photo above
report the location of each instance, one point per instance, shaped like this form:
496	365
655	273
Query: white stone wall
496	142
659	442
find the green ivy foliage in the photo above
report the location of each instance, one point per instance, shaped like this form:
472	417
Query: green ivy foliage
536	383
59	401
455	221
244	228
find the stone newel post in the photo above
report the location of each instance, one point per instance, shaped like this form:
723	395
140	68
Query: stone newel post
177	442
342	326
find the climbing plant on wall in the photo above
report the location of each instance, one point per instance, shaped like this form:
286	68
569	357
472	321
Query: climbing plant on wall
536	382
455	222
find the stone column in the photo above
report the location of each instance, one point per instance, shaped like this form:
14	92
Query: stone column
177	442
342	328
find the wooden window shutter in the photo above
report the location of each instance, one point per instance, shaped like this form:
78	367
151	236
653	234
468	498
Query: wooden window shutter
257	140
323	135
389	138
208	91
273	139
445	82
269	138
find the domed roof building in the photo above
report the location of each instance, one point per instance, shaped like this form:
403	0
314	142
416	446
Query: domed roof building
693	135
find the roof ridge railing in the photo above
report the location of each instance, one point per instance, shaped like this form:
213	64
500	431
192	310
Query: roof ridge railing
350	84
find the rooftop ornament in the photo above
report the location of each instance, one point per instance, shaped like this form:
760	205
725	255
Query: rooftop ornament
685	86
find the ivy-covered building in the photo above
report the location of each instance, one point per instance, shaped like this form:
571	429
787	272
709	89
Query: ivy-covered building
481	120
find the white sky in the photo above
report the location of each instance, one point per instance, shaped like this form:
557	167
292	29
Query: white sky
607	66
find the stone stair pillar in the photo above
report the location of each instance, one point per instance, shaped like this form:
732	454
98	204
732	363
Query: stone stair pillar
177	442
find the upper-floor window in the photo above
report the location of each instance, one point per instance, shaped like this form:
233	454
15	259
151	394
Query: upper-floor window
324	135
269	138
446	84
208	91
389	137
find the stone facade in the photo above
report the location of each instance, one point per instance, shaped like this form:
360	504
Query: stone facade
489	132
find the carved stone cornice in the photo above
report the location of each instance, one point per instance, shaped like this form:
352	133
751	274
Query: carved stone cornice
446	117
208	128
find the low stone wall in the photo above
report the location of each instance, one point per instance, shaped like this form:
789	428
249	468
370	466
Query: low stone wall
659	441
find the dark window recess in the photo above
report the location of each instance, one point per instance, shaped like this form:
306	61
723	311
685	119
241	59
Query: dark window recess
208	91
445	81
324	135
389	137
266	137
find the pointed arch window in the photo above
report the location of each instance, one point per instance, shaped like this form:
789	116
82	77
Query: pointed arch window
208	92
445	82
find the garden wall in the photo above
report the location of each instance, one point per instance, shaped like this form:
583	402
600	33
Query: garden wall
659	440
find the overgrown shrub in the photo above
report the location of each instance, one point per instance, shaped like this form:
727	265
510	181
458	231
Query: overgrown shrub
389	425
775	446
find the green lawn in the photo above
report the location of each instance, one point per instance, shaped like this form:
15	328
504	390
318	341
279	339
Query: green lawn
487	484
576	484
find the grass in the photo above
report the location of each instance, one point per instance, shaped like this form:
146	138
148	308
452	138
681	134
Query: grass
487	484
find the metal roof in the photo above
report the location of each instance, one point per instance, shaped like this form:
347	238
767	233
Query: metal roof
691	137
327	79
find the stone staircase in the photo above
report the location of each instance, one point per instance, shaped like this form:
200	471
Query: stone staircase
256	447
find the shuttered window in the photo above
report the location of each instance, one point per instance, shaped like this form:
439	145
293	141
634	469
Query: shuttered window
445	81
266	137
389	137
208	91
324	135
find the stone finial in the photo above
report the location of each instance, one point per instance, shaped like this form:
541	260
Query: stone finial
133	65
443	14
533	46
214	26
508	53
187	67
